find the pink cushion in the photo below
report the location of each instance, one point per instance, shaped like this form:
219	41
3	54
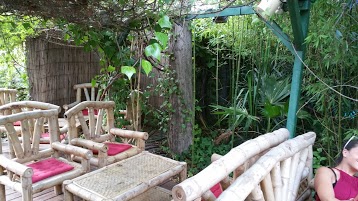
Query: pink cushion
48	168
47	135
115	148
217	190
85	112
17	123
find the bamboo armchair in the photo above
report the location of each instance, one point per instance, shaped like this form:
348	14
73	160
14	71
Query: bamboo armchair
7	96
91	93
277	175
100	135
33	170
22	106
237	160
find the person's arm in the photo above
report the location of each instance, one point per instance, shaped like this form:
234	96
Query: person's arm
323	184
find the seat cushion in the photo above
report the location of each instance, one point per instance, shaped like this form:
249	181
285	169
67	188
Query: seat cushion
17	123
115	148
85	112
47	136
216	190
47	168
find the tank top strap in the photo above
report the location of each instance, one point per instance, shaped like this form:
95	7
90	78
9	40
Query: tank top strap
335	175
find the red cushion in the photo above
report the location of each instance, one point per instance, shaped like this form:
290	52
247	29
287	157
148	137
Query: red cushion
17	123
85	112
217	190
48	168
47	135
115	148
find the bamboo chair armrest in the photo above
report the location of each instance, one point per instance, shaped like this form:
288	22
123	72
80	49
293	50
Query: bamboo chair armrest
68	106
129	133
90	144
15	167
70	149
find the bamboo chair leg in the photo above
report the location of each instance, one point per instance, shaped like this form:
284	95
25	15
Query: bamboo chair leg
2	192
57	189
68	196
26	188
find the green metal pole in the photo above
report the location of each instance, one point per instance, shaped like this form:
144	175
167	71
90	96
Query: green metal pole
300	21
295	93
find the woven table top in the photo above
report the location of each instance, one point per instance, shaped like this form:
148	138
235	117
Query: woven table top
122	176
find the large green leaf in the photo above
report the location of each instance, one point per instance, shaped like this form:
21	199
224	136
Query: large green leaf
128	70
153	50
147	66
162	38
164	22
271	111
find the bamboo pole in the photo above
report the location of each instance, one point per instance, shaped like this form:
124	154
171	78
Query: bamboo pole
129	133
94	104
2	186
26	183
256	194
28	104
37	135
41	154
276	181
294	163
91	122
26	135
14	141
98	127
285	173
243	185
15	167
93	94
69	149
267	188
195	186
298	175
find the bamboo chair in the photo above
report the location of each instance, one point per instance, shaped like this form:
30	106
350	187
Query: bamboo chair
32	170
90	93
236	161
7	96
21	106
278	174
100	135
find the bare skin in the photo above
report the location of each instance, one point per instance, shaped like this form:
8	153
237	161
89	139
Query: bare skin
325	178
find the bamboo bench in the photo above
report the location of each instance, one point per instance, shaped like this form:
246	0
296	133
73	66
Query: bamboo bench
277	175
198	186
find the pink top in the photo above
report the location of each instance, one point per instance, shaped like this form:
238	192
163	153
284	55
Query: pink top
346	187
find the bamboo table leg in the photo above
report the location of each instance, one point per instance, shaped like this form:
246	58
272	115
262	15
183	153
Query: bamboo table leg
68	196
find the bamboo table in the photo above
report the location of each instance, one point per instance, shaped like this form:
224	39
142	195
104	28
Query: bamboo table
125	179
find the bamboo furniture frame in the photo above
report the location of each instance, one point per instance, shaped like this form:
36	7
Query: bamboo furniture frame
278	174
7	96
22	106
237	160
16	175
100	130
90	92
126	179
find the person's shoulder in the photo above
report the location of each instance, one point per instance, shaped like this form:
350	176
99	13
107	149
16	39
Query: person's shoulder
324	169
327	171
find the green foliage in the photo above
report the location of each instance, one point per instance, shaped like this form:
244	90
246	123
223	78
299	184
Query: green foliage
199	154
13	32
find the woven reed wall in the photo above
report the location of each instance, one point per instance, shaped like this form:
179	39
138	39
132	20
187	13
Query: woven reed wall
54	67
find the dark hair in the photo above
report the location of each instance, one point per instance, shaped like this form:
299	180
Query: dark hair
353	143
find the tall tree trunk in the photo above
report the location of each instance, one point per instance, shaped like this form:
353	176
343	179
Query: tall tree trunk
181	121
